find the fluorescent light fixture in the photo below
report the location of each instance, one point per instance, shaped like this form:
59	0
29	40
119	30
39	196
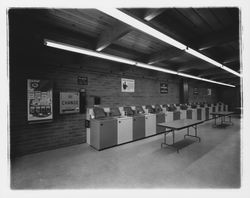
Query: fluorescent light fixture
203	57
231	71
204	79
131	21
115	13
189	76
88	52
147	66
216	82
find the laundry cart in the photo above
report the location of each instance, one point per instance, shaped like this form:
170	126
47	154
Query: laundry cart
138	123
124	126
150	121
103	130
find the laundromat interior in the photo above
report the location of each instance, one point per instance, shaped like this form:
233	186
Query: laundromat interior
125	98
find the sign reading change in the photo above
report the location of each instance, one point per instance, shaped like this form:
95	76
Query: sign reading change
127	85
69	102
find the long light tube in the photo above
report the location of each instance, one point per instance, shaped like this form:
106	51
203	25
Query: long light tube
204	79
231	71
189	76
88	52
216	82
203	57
142	27
147	66
115	13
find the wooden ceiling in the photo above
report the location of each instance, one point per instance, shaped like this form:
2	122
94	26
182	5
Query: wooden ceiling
214	32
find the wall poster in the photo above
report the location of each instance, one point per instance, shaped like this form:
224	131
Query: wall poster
163	88
39	100
69	102
127	85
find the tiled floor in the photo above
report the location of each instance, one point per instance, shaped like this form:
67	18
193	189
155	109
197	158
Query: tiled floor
212	163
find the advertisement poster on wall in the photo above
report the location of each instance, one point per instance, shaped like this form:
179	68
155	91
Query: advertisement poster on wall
69	102
163	88
39	100
127	85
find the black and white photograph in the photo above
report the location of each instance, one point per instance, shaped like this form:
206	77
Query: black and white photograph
143	97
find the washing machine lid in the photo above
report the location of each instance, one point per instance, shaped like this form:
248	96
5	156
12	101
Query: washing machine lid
99	112
129	111
115	111
139	109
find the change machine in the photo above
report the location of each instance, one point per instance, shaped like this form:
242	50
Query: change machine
103	130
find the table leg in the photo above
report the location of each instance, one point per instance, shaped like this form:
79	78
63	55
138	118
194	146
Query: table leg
170	145
230	121
173	136
195	132
215	124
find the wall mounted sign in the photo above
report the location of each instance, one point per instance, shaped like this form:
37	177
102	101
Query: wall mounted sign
209	92
39	100
163	88
195	91
69	102
81	80
127	85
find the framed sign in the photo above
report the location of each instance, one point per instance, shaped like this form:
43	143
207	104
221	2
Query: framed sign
209	92
69	102
81	80
127	85
39	100
195	91
163	88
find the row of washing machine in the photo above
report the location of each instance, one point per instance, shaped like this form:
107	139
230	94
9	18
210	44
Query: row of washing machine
118	125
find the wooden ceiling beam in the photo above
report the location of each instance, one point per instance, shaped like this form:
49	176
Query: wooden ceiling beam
165	55
210	72
223	76
112	34
118	30
219	38
193	65
230	59
232	81
152	13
